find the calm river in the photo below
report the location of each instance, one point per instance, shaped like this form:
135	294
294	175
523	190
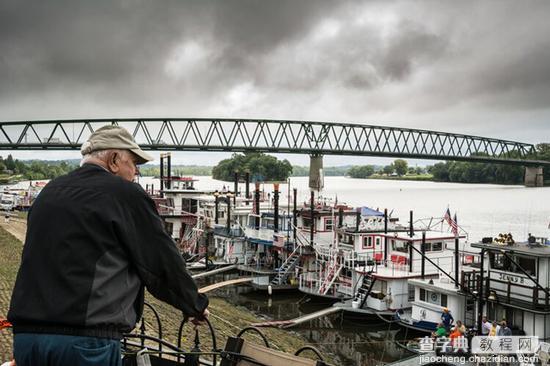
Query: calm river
482	209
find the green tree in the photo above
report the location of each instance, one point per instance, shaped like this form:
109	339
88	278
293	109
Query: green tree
388	169
419	170
400	166
543	153
440	172
363	171
10	163
261	167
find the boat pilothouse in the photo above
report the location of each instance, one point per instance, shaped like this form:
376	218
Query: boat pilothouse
514	284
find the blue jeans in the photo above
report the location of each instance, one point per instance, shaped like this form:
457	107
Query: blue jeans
32	349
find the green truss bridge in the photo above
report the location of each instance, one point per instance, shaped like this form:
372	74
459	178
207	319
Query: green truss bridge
276	136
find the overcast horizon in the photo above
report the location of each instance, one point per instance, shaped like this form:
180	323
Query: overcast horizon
471	67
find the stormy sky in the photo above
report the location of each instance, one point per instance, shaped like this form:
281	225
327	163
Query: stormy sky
472	67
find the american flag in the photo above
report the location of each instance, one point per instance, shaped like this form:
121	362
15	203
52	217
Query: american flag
452	223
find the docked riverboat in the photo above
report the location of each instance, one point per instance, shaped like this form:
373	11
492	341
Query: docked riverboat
368	268
514	284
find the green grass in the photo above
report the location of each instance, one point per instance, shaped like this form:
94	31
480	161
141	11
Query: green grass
10	257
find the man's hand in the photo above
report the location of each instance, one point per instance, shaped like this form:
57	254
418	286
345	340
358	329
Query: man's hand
199	320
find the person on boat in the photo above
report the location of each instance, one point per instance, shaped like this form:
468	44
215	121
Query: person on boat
459	326
94	243
485	326
447	319
494	329
455	333
504	331
440	331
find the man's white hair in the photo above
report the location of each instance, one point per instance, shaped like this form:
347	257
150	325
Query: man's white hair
101	155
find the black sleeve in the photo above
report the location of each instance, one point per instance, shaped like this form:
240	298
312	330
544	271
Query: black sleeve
157	259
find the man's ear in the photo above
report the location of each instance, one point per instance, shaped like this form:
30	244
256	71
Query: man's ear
112	162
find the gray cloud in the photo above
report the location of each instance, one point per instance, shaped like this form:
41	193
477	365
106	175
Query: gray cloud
458	66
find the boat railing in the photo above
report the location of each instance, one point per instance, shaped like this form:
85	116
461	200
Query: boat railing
231	232
312	282
505	290
401	264
147	346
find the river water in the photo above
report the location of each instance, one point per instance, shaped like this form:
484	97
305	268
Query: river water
482	210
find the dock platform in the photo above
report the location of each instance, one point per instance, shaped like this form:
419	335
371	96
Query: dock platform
302	319
214	271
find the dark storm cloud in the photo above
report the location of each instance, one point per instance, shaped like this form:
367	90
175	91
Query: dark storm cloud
412	63
104	43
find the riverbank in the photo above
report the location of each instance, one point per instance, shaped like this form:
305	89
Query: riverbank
226	318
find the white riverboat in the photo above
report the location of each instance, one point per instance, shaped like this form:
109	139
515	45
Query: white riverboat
515	283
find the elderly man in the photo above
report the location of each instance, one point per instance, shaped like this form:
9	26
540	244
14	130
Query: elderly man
94	240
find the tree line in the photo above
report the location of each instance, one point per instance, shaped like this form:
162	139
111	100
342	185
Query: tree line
269	168
35	169
457	171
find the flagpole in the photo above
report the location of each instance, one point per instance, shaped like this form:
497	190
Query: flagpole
456	253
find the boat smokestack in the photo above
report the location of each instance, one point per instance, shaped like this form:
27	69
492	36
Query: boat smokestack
257	203
228	223
247	188
456	255
386	236
411	227
294	213
276	207
217	207
312	217
161	175
236	187
169	170
423	251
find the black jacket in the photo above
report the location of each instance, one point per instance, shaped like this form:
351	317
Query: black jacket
93	241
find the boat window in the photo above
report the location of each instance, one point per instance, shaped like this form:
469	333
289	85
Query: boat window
500	261
169	227
347	272
329	224
347	239
437	247
306	222
411	293
367	242
384	287
527	263
443	300
427	247
422	294
377	242
399	246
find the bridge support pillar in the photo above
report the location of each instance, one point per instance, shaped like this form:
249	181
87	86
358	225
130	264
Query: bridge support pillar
534	176
316	177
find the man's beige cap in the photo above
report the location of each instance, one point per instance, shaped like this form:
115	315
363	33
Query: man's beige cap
114	137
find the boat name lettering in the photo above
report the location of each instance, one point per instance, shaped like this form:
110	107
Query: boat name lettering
507	277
